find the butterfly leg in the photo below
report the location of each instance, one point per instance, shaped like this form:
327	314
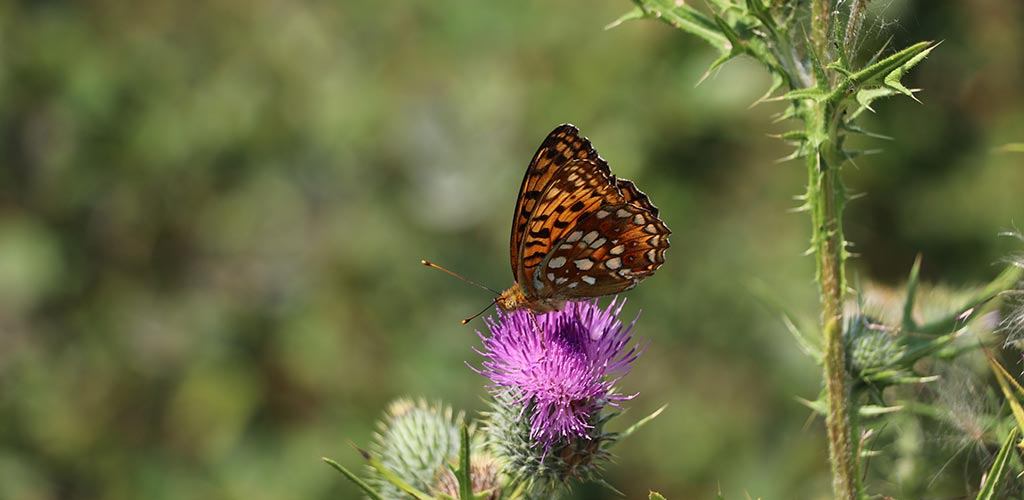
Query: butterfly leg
540	331
579	321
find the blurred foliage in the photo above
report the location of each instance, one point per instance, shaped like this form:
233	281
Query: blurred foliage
212	215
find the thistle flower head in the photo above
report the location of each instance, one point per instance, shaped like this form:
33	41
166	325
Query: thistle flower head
871	347
559	368
414	441
544	472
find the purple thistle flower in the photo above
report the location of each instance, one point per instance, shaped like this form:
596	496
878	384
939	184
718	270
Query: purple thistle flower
565	374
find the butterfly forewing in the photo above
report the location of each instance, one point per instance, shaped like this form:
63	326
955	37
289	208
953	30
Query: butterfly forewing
562	146
580	189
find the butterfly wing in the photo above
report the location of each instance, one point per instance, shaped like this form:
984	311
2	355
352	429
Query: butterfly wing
562	146
634	196
577	231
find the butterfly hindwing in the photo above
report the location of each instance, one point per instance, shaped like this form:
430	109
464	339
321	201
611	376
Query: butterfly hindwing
609	251
634	196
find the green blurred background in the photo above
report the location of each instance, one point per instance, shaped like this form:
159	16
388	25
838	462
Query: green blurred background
212	216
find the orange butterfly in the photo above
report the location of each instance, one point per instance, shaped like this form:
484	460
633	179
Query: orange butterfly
577	232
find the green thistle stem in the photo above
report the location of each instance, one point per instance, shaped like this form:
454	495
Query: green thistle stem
819	26
858	11
827	197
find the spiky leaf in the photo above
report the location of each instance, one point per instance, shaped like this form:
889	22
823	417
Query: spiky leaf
903	60
686	18
892	79
997	475
370	492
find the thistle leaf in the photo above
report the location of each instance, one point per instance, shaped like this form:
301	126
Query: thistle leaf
609	487
761	291
777	82
892	80
876	410
813	93
463	474
370	492
867	96
908	304
1000	468
1005	382
878	72
838	66
643	421
717	63
688	19
867	411
737	44
851	154
972	308
636	13
853	128
760	11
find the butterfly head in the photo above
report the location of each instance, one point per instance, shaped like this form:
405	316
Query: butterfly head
514	298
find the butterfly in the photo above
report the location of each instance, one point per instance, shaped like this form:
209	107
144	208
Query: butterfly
578	232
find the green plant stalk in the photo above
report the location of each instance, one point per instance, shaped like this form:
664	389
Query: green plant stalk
820	10
827	198
858	12
843	453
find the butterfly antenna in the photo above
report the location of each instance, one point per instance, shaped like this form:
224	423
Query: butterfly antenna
471	318
463	278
